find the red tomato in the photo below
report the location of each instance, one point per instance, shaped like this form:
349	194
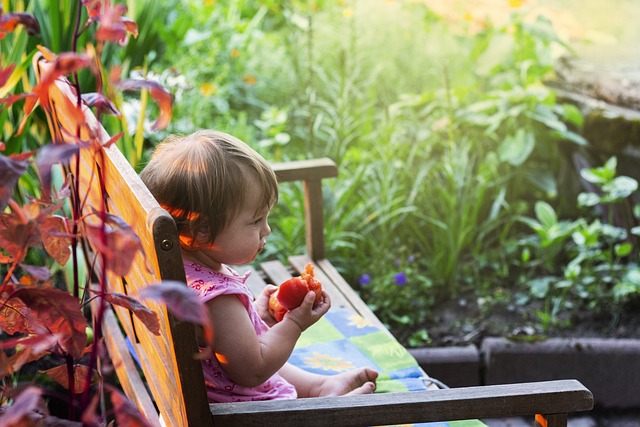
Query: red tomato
313	284
276	310
291	293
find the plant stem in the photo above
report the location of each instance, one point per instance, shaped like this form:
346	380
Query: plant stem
71	385
310	141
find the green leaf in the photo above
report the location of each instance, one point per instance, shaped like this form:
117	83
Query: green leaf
588	199
517	148
282	138
620	188
601	175
540	287
545	214
574	137
572	114
623	249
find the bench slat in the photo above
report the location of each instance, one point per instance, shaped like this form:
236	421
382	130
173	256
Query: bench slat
560	396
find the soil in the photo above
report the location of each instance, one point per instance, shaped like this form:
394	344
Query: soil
463	321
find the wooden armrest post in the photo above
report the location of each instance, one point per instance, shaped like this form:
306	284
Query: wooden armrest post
311	173
551	420
314	221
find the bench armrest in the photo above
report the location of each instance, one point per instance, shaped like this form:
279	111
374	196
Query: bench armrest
546	398
311	173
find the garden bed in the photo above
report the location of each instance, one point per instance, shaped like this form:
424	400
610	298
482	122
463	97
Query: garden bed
472	346
464	321
610	368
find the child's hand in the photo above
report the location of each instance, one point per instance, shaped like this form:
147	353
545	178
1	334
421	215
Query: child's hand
309	313
261	304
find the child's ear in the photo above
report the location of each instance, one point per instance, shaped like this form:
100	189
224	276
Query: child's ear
202	236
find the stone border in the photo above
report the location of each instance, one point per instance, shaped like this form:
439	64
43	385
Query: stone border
610	368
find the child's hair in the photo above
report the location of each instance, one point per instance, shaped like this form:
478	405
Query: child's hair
201	180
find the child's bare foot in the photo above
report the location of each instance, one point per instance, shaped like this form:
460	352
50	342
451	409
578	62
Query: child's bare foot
357	381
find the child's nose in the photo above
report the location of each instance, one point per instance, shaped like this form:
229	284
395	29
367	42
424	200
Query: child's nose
266	231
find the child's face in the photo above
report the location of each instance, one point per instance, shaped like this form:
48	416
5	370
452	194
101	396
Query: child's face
241	241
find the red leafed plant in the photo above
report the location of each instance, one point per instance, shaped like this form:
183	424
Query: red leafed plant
38	318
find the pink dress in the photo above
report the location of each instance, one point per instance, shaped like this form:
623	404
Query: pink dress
220	388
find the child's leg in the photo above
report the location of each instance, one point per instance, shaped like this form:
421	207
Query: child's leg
307	384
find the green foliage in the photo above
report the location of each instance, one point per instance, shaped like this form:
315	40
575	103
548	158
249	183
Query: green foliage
450	145
399	291
583	265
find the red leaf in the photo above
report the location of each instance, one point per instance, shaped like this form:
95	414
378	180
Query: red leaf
61	313
28	349
5	73
114	27
50	155
93	8
90	417
65	63
127	414
80	374
56	238
113	140
182	302
26	402
130	26
101	102
10	172
60	65
163	98
15	316
9	21
6	366
20	229
17	234
13	98
146	316
71	110
120	244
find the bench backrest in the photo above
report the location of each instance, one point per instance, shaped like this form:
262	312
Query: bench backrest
172	373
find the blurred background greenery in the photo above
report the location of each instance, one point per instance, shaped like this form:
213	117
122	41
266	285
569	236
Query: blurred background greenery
458	178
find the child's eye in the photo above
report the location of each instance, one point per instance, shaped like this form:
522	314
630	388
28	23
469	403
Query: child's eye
258	221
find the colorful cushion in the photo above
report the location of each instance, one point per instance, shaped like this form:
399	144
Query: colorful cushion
343	340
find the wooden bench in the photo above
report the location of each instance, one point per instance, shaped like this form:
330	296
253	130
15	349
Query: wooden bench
171	389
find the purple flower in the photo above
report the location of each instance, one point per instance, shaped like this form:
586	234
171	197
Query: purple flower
400	279
364	280
411	258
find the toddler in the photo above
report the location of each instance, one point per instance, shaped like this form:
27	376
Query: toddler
219	192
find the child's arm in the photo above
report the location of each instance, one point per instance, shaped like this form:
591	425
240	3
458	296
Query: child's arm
250	360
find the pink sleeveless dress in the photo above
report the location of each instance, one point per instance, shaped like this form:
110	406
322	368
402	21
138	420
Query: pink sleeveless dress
220	388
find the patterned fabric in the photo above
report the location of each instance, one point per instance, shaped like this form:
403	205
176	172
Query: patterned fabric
343	340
